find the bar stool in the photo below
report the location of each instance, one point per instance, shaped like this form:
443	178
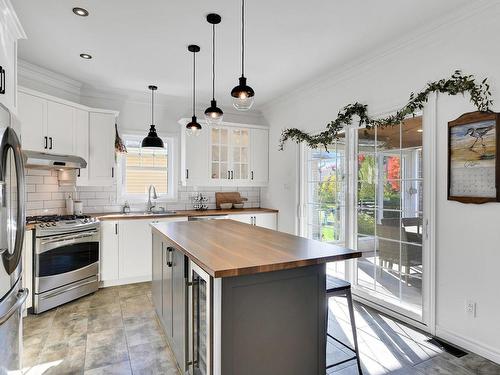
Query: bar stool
340	288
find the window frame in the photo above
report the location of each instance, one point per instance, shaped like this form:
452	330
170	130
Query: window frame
171	141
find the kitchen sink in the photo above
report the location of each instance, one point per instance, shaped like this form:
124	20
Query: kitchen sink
159	213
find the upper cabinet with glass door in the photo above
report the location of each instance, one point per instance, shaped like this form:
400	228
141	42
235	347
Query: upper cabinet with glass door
237	156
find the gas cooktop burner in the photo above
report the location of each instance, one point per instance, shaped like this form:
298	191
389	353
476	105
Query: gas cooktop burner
54	218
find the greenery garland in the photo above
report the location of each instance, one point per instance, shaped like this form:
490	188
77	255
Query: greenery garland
458	83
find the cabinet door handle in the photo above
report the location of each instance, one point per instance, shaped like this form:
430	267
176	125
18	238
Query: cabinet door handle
116	228
228	175
79	174
112	172
187	174
232	175
46	144
251	174
51	143
169	256
2	80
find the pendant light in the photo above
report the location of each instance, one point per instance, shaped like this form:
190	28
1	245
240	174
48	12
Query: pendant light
152	140
193	128
213	114
243	95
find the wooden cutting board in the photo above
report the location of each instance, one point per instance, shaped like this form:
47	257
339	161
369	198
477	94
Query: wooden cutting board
228	197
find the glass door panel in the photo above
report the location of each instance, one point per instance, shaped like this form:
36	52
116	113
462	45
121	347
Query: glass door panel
219	154
240	154
324	198
389	214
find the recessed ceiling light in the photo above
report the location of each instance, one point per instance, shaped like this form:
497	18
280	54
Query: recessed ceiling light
81	12
85	56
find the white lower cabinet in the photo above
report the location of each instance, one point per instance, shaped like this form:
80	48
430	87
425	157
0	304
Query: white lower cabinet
126	250
265	220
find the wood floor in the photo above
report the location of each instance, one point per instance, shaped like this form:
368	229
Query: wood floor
115	331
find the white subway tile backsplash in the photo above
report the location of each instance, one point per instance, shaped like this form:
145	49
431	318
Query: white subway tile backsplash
56	196
47	188
30	188
50	180
34	205
54	204
34	179
38	172
39	196
86	194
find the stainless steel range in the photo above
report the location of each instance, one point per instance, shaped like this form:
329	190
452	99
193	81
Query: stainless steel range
66	259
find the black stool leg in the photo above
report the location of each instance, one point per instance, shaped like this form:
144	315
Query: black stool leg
353	326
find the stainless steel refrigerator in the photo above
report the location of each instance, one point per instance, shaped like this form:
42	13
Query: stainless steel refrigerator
12	226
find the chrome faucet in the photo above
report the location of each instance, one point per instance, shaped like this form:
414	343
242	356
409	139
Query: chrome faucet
150	205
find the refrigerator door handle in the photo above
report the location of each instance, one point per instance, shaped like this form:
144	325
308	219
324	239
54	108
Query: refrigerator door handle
10	141
21	297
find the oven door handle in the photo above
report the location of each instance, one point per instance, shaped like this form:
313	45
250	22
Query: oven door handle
49	244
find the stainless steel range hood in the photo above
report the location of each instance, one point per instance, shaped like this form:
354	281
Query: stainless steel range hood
42	160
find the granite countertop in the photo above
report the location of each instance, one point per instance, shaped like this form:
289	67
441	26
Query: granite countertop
225	248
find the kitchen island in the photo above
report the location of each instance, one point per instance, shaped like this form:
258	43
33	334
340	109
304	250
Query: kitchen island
237	299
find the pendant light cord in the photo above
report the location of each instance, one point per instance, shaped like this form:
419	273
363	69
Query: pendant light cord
213	62
152	107
194	81
242	38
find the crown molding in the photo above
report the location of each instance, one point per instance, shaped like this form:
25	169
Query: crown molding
37	75
9	16
351	68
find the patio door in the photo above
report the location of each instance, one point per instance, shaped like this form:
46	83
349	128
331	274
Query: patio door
366	192
389	217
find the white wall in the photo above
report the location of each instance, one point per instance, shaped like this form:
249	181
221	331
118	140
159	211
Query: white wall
468	236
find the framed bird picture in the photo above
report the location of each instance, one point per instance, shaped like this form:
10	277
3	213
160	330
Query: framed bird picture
473	157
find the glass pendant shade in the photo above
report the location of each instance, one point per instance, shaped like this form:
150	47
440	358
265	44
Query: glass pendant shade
213	114
193	128
243	95
152	140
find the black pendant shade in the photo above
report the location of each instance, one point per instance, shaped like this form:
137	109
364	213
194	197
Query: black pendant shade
242	90
152	140
193	125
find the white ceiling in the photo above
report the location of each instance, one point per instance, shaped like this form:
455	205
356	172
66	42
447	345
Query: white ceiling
136	43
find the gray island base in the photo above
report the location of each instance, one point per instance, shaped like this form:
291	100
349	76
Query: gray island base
236	299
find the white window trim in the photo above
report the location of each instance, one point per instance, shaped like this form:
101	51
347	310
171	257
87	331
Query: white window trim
172	141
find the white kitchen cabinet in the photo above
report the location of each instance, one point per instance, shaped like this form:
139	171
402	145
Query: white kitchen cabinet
81	142
126	250
32	112
259	157
109	253
266	220
227	155
101	161
10	31
194	159
135	248
60	128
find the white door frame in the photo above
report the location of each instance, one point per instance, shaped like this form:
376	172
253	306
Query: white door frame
428	321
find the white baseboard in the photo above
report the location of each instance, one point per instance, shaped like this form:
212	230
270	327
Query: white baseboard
474	346
131	280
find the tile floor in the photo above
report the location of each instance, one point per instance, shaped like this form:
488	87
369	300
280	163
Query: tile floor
388	346
115	331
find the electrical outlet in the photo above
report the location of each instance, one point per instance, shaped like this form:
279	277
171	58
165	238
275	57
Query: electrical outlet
470	308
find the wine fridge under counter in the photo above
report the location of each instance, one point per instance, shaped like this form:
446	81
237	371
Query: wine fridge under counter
66	262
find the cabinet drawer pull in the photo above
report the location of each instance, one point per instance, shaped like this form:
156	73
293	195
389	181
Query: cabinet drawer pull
46	144
2	80
50	143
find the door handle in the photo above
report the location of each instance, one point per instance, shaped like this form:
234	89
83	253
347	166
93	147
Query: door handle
187	174
251	174
50	143
2	80
21	297
228	175
112	172
116	228
46	144
232	175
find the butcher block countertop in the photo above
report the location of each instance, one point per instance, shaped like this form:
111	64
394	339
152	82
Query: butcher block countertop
225	248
